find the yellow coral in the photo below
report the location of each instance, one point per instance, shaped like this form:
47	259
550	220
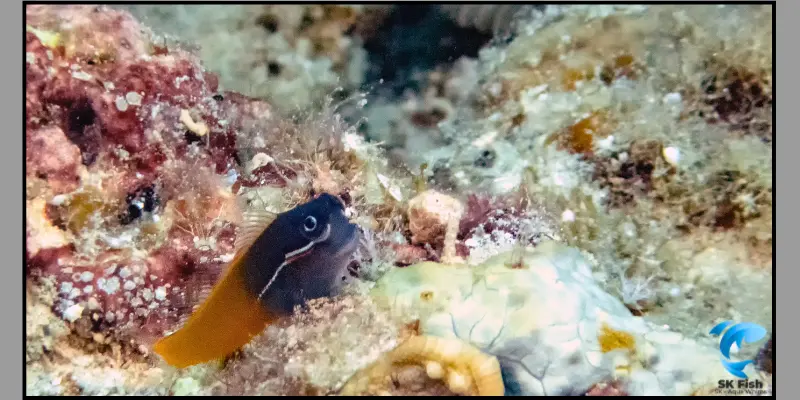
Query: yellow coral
611	339
465	369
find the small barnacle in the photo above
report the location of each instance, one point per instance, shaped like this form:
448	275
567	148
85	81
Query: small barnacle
133	98
136	269
121	104
92	303
87	276
161	293
110	285
73	312
66	287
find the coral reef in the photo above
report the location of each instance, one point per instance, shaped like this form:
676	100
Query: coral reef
58	363
646	128
433	218
104	223
565	210
465	369
289	55
133	219
314	352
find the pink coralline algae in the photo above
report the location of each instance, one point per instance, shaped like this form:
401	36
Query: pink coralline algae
131	153
50	154
107	99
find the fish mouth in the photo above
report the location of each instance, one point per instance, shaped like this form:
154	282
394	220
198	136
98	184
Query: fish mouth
351	242
344	237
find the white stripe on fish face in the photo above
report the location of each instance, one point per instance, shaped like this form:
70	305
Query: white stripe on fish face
310	244
295	255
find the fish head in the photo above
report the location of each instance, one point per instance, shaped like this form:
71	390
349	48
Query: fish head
314	242
321	227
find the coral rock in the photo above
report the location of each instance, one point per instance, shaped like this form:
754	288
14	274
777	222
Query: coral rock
116	220
434	217
41	234
465	369
89	32
50	155
548	314
314	352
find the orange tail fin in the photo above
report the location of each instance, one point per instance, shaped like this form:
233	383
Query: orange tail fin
226	321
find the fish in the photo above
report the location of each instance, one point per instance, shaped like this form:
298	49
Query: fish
281	261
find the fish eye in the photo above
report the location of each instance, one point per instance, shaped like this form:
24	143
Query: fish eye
310	224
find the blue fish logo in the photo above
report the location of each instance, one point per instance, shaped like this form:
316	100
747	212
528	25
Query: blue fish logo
739	334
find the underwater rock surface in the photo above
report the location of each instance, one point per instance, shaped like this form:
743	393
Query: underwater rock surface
551	326
576	203
114	125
